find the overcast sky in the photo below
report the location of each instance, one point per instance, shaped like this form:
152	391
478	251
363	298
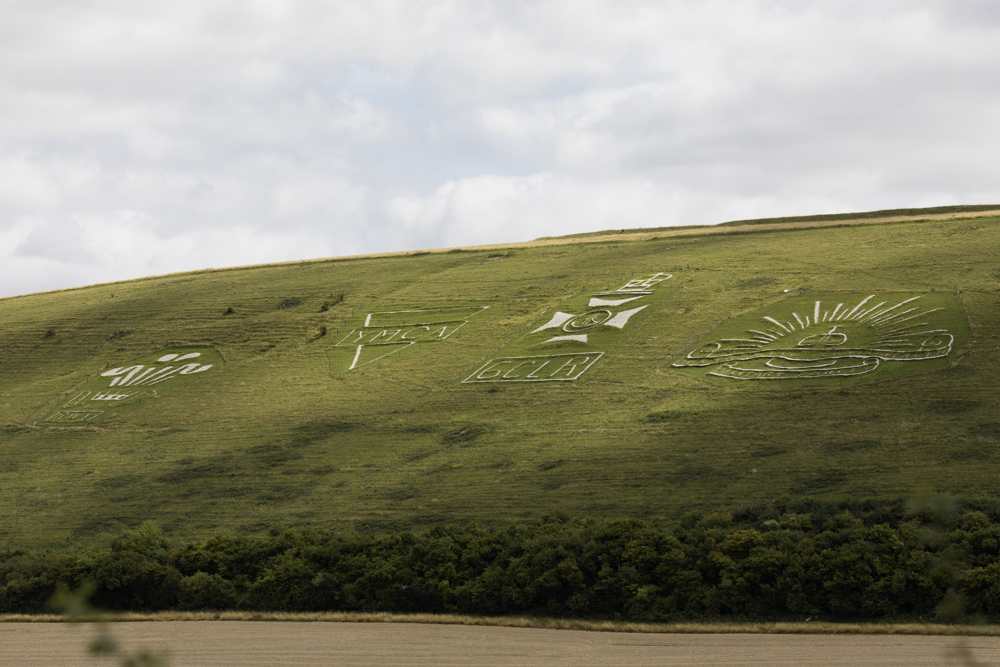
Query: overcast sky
140	138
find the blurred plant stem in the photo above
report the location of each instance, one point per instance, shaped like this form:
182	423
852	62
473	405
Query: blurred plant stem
75	605
941	514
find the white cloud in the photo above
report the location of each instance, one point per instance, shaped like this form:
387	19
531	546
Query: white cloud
142	138
482	209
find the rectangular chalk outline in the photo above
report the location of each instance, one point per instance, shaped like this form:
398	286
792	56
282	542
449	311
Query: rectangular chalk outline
433	340
469	379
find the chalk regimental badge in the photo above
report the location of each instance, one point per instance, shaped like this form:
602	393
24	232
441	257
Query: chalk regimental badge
142	379
573	338
830	337
381	333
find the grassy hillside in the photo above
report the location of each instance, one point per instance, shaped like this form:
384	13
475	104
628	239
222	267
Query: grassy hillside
442	416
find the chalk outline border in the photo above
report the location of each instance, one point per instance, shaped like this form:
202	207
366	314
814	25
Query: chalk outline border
598	354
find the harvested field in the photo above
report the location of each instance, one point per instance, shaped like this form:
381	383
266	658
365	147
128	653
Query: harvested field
249	643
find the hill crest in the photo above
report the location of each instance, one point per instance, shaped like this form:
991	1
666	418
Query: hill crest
281	431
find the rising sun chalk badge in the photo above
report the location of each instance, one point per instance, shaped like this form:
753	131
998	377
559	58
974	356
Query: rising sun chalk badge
829	337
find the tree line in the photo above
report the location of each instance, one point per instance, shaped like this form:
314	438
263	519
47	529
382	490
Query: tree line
928	563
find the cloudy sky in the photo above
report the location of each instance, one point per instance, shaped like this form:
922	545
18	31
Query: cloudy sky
141	138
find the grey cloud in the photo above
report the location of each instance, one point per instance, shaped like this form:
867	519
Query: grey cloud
65	244
144	135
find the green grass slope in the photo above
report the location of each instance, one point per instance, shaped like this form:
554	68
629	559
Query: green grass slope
470	398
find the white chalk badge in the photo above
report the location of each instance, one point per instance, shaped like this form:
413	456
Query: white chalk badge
834	336
567	342
134	382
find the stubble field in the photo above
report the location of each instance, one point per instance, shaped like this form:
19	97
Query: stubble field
252	643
